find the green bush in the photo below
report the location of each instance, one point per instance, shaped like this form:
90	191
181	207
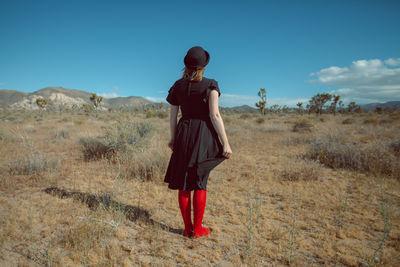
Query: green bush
149	113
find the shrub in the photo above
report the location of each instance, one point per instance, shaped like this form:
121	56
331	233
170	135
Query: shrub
149	113
161	114
348	121
34	164
93	148
245	116
373	157
123	136
371	120
260	120
302	126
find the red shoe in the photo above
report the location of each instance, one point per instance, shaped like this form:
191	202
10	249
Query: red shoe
199	204
185	206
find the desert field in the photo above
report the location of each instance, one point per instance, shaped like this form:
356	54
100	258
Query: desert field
300	190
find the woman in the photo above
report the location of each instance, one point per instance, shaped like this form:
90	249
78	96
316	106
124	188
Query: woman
198	141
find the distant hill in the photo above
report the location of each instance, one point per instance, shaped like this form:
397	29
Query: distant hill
389	104
63	96
242	108
69	97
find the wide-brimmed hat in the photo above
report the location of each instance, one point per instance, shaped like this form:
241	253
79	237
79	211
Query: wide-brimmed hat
196	58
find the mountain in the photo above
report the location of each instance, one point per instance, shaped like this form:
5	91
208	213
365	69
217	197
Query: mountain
63	96
372	106
242	108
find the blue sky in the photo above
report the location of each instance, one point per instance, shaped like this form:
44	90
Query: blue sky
294	49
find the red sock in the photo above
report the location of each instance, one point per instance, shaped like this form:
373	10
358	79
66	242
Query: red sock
185	206
199	204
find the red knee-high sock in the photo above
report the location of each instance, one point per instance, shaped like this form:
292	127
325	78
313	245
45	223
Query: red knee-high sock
185	206
199	204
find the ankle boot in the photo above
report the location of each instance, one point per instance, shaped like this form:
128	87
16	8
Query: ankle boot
199	204
185	206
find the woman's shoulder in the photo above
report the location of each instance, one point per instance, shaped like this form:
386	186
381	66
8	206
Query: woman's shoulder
209	80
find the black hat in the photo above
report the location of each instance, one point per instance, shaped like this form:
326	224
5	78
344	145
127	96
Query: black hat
196	58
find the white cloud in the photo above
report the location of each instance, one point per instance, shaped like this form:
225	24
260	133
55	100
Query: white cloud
392	61
364	80
109	95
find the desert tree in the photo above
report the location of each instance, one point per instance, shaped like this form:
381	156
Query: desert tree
275	108
300	105
335	99
353	107
379	110
96	100
263	100
285	109
317	102
341	106
42	103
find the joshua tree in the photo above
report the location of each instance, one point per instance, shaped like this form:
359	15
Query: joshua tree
335	100
42	104
318	102
263	101
96	100
300	105
379	110
353	107
275	108
341	106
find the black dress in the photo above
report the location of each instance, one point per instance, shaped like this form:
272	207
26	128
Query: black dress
197	149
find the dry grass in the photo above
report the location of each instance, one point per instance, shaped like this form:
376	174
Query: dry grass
267	206
370	152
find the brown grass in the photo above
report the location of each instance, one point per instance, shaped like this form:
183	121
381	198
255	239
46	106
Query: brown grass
267	206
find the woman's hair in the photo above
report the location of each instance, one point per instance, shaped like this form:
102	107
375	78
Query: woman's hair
193	74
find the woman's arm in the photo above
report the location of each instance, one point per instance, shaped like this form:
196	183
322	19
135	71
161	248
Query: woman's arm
172	123
218	124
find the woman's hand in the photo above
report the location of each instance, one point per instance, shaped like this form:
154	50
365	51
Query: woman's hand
171	144
227	151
